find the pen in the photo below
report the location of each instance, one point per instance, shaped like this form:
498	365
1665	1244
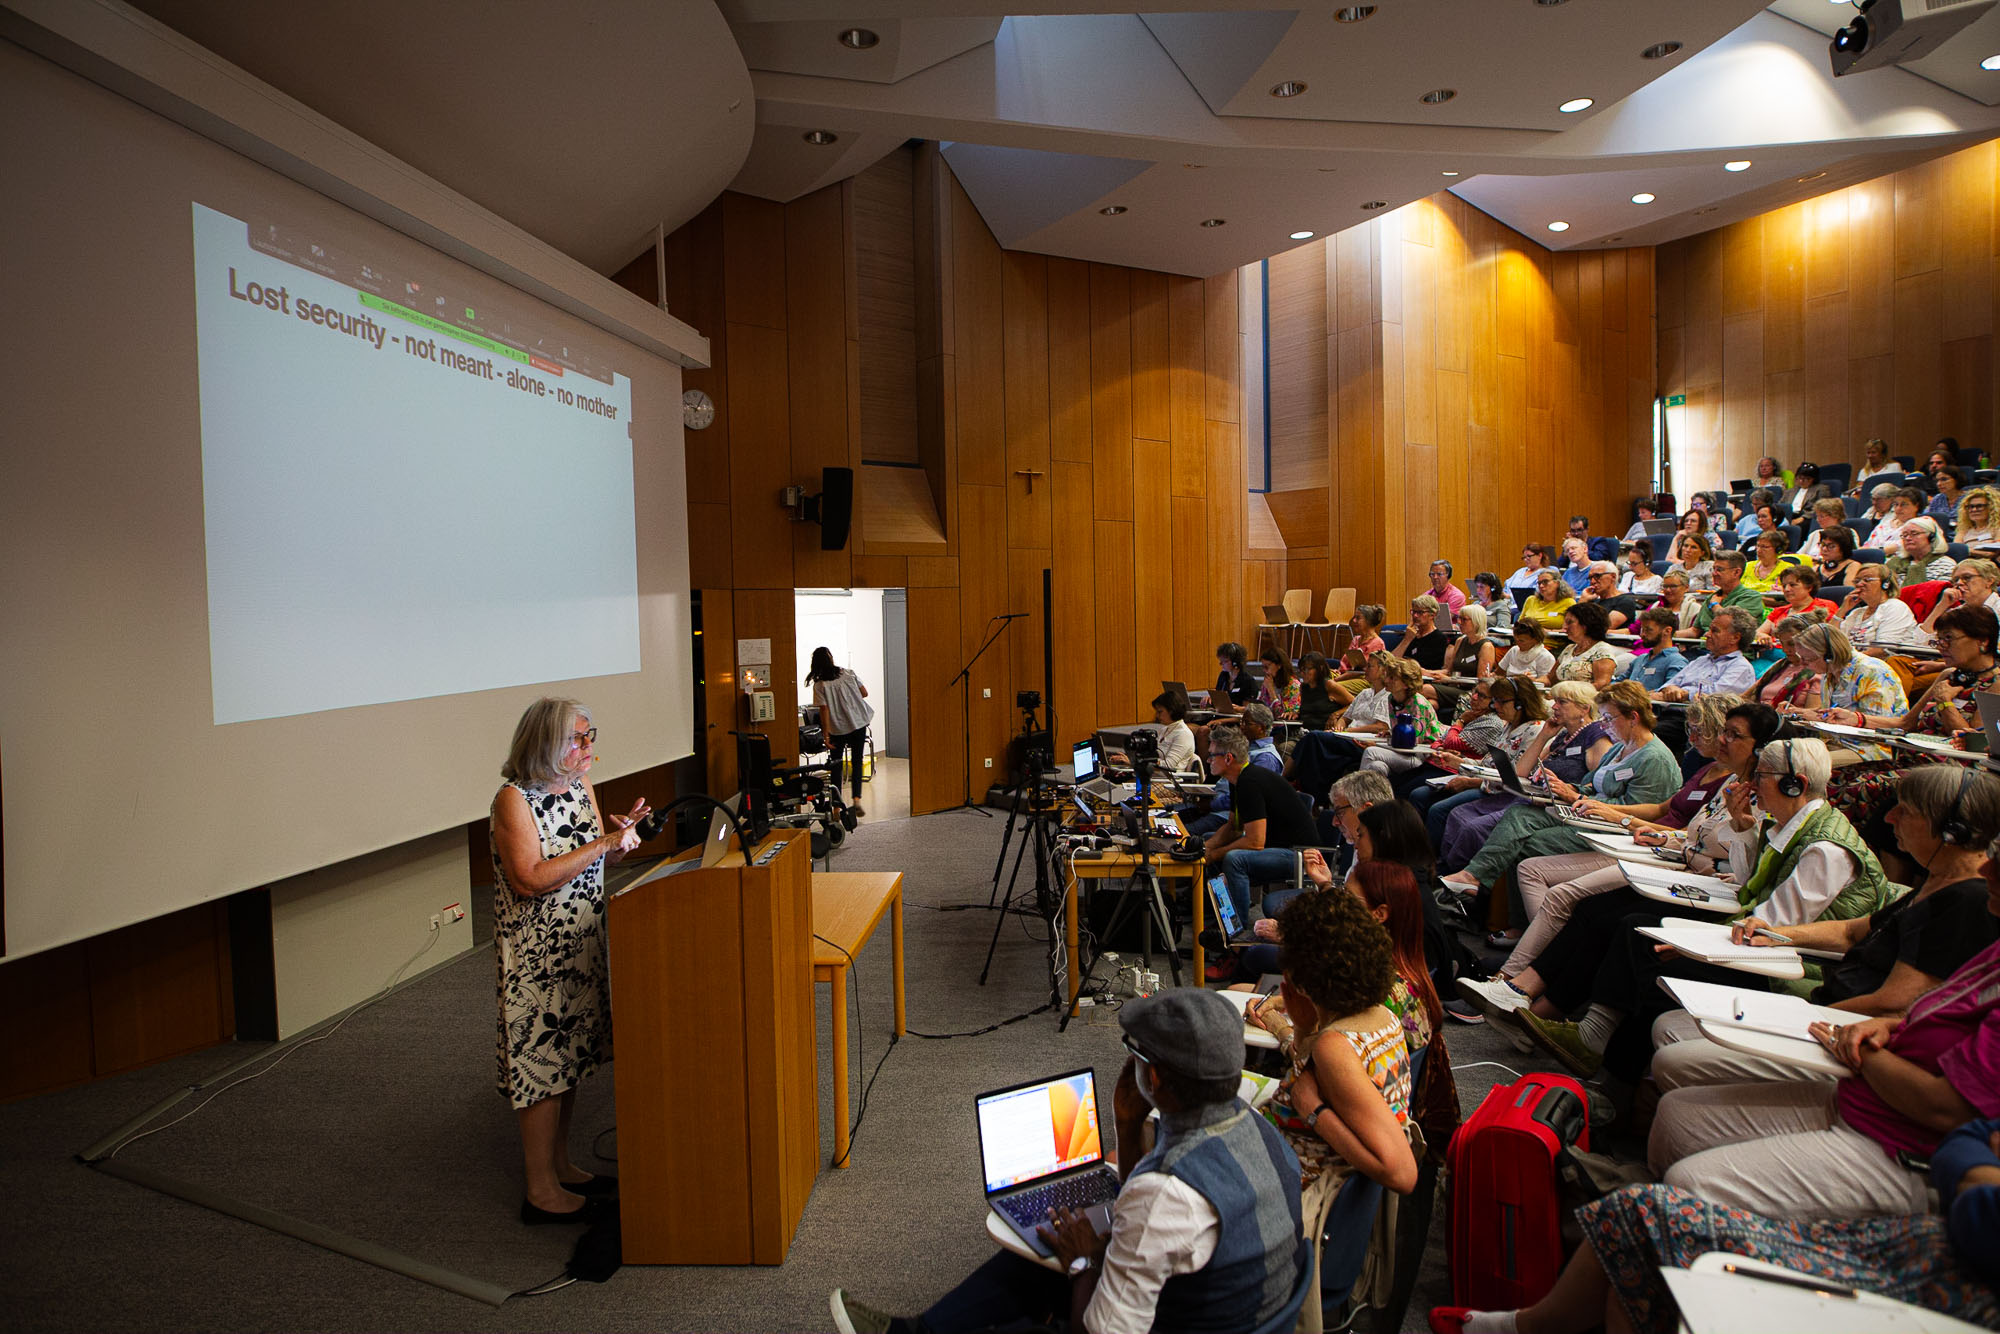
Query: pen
1824	1289
1769	934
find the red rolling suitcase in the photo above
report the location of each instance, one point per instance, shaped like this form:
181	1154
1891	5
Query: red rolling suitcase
1508	1165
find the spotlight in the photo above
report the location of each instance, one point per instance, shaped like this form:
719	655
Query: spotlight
1741	164
1659	50
857	39
1215	222
1576	104
1558	226
1644	197
1112	210
1289	88
1302	236
820	138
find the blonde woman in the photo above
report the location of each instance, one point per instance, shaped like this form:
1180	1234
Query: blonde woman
1875	462
1851	684
1979	517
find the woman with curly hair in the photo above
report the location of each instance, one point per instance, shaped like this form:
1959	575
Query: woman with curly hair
1978	517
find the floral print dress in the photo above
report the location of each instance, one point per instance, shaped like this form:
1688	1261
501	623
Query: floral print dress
555	983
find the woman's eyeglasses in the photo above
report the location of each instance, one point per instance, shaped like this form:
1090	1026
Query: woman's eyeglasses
582	739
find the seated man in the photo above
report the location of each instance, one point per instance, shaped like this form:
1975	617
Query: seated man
1601	587
1724	670
1207	1231
1270	820
1661	660
1423	640
1449	596
1730	591
1254	721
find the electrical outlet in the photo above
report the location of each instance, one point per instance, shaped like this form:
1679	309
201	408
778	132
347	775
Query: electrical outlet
986	692
989	761
437	921
454	912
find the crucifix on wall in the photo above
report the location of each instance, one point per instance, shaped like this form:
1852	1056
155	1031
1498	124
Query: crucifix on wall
1031	474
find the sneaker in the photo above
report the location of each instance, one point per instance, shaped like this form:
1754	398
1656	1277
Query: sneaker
851	1317
855	807
1564	1041
1221	968
1465	1012
1496	997
1502	940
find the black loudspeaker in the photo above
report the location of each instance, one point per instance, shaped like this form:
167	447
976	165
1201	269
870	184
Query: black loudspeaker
836	507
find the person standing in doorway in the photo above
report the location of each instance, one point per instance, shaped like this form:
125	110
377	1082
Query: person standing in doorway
844	714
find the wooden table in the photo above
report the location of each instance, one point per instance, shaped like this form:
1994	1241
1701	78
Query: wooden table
1120	866
847	907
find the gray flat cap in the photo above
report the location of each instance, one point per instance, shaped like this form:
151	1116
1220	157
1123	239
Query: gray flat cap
1187	1030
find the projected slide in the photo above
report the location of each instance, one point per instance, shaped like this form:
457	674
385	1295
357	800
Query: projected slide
408	491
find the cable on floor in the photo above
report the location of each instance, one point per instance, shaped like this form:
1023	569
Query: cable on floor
860	1055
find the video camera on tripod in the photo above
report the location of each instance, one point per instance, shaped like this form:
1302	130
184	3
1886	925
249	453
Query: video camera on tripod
1142	748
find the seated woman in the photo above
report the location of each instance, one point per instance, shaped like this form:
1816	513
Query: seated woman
1948	1262
1875	462
1974	583
1316	703
1798	860
1836	563
1693	823
1951	483
1586	657
1321	759
1534	559
1695	563
1979	517
1280	690
1694	523
1637	773
1364	641
1472	654
1923	553
1888	958
1546	605
1571	744
1492	597
1234	686
1873	617
1675	598
1638	576
1518	703
1827	513
1528	657
1805	1149
1967	636
1905	504
1845	682
1477	729
1403	682
1771	560
1800	588
1788	682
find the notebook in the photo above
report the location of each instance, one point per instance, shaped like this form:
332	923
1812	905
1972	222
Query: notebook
1040	1148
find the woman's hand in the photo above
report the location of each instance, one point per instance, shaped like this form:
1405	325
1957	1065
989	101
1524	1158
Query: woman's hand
1746	932
1560	789
1446	760
1850	1043
1742	803
1598	810
640	810
1316	868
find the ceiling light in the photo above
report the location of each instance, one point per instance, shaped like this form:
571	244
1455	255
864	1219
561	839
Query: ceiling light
1558	226
1215	222
1374	204
1576	104
1659	50
1352	13
1289	88
857	39
1302	236
1644	197
1810	176
1112	210
820	138
1451	173
1741	164
1437	96
1991	62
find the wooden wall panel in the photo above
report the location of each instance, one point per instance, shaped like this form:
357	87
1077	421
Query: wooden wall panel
884	252
1153	590
1149	355
1111	389
1876	305
1117	696
1026	344
818	394
1297	320
938	738
1069	360
1187	391
979	328
760	441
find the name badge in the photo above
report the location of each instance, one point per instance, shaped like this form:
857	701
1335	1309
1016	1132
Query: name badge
1574	750
1697	794
1623	775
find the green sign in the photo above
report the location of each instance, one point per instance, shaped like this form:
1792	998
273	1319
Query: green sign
1677	400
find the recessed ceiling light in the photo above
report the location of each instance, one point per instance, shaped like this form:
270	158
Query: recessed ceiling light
1741	164
1659	50
1438	95
1215	222
1991	62
857	39
1644	197
1329	169
1374	204
1576	104
1352	13
820	138
1558	226
1302	236
1112	210
1451	173
1289	88
1810	176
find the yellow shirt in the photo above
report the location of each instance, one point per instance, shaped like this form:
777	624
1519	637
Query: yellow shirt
1762	583
1548	615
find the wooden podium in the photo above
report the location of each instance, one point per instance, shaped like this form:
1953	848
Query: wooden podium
717	1066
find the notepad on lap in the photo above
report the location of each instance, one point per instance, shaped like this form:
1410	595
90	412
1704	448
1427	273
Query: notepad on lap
1777	1013
1673	885
1710	943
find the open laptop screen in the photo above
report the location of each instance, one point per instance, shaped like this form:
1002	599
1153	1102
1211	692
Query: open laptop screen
1036	1130
1084	757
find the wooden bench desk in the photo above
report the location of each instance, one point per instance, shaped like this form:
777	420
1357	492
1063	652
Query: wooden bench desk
847	907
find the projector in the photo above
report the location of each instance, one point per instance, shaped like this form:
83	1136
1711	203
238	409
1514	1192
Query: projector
1891	32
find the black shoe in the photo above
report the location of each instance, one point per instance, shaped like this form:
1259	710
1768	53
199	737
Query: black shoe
596	1186
1463	1011
537	1217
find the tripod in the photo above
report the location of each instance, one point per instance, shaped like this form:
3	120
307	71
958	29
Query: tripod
1029	788
964	678
1142	893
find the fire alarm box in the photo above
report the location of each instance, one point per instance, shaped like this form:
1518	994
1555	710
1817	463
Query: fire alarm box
763	706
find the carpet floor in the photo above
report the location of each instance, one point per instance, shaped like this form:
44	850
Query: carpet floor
389	1130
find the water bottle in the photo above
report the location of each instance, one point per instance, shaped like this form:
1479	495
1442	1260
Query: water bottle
1403	735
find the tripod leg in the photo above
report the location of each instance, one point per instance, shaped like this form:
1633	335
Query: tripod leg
1006	837
1166	921
999	920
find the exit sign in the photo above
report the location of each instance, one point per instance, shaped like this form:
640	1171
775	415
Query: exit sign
1677	400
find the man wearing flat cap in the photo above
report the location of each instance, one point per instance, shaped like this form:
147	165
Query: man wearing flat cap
1205	1234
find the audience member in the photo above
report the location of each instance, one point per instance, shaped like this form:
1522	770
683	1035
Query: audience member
1546	605
1234	686
1493	599
1268	821
1951	485
1365	635
1770	549
1905	504
1644	511
1449	596
1534	559
1316	702
1799	587
1571	744
1974	583
1518	704
1527	657
1849	682
1723	670
1979	517
1575	564
1875	462
1586	657
1658	659
1922	553
1279	691
1638	576
1731	591
1836	563
1676	598
1788	682
1601	587
1873	617
1829	513
1424	642
1806	489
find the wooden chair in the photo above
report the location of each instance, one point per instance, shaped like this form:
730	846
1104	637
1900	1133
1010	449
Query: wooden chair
1338	611
1298	605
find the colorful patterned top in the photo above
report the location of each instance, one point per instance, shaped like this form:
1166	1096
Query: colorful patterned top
1872	687
1402	1002
1575	664
1385	1055
1930	710
1283	705
1424	714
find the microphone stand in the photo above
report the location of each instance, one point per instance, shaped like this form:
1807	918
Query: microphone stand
965	705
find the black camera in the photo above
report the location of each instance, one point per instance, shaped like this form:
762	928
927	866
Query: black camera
1142	744
1027	699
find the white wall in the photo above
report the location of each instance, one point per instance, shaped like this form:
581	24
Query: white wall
850	624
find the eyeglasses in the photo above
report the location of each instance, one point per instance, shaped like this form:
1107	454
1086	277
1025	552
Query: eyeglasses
1137	1055
1341	808
582	739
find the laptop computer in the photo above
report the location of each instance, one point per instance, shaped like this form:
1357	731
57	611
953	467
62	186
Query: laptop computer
1091	779
1510	777
1659	527
714	844
1224	909
1040	1148
1989	718
1277	615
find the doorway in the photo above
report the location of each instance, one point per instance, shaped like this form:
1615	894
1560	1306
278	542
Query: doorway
866	630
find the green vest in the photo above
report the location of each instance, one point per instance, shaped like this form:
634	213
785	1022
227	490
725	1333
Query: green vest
1868	892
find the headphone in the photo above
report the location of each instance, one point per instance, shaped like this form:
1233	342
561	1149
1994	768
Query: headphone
1791	785
1187	848
1952	829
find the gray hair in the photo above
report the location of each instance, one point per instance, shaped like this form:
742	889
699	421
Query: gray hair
1740	619
1933	790
1256	714
1598	567
1706	714
1476	615
538	757
1808	759
1424	602
1926	524
1365	787
1831	643
1230	741
1883	490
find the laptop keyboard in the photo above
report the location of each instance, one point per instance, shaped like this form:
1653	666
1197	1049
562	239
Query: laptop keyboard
1077	1192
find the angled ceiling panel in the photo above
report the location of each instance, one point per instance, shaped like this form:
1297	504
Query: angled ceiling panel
1219	53
1020	191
